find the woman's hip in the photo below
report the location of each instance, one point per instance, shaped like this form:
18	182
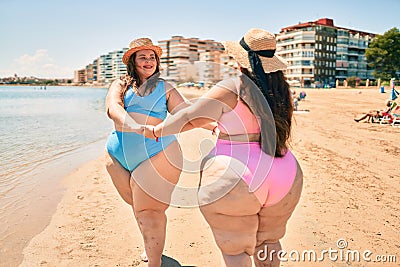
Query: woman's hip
270	179
131	149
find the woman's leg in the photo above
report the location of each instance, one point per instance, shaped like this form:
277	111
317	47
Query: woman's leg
369	115
120	177
272	224
362	118
152	184
233	216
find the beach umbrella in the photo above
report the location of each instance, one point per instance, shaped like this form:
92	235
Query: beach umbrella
394	94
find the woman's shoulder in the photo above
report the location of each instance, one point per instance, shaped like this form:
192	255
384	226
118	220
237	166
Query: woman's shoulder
167	85
117	85
119	82
229	84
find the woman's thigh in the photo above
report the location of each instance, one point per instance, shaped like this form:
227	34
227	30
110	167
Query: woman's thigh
221	181
273	219
120	177
154	179
228	206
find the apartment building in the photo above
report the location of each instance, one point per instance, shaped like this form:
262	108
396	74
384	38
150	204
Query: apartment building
320	53
180	54
118	68
350	56
89	73
215	66
106	68
80	76
95	76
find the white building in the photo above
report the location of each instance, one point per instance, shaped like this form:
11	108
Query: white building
319	53
180	54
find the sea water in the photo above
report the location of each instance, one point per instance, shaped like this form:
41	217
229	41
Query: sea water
44	134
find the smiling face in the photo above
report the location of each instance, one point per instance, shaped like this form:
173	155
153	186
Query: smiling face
145	63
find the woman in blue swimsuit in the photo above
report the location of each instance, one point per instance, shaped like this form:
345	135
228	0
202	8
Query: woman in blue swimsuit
141	97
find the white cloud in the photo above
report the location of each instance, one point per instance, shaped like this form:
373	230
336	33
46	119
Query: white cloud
39	58
40	65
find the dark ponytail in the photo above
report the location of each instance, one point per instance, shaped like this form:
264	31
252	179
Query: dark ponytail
280	103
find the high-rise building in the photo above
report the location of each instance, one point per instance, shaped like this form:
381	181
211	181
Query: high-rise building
215	66
89	73
106	68
80	76
179	55
95	77
320	53
209	66
118	68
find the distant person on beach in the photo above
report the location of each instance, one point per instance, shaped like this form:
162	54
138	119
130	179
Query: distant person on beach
144	171
295	100
302	95
373	115
250	182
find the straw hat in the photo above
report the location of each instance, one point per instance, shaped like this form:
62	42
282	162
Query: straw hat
256	39
140	44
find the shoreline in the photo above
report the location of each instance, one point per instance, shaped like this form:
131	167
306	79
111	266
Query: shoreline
350	192
41	202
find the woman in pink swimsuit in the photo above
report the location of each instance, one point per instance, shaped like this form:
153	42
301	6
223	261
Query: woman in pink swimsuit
250	182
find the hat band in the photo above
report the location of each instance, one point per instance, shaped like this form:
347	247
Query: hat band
258	70
263	53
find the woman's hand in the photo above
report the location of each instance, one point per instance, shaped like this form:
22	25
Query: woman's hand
132	127
147	131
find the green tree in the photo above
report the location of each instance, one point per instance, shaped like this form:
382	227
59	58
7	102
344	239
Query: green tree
383	55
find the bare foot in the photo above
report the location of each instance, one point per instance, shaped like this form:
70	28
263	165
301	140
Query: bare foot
143	257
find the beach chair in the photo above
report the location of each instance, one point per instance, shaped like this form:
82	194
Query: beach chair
396	117
388	116
386	119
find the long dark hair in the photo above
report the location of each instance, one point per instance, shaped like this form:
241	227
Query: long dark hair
132	77
280	103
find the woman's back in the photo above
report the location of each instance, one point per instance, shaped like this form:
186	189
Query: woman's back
239	120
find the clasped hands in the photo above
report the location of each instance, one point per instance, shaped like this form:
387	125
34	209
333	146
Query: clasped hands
148	131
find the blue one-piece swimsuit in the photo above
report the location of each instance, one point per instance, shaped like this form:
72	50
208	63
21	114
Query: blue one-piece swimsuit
131	149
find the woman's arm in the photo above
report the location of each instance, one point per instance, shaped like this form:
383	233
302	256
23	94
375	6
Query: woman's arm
177	102
115	108
206	109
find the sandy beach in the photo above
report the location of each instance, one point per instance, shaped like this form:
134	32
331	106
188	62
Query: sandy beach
351	193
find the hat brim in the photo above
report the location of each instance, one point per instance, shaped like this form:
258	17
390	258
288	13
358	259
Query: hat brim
128	54
235	50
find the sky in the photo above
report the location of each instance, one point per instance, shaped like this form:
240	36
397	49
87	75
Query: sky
52	38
